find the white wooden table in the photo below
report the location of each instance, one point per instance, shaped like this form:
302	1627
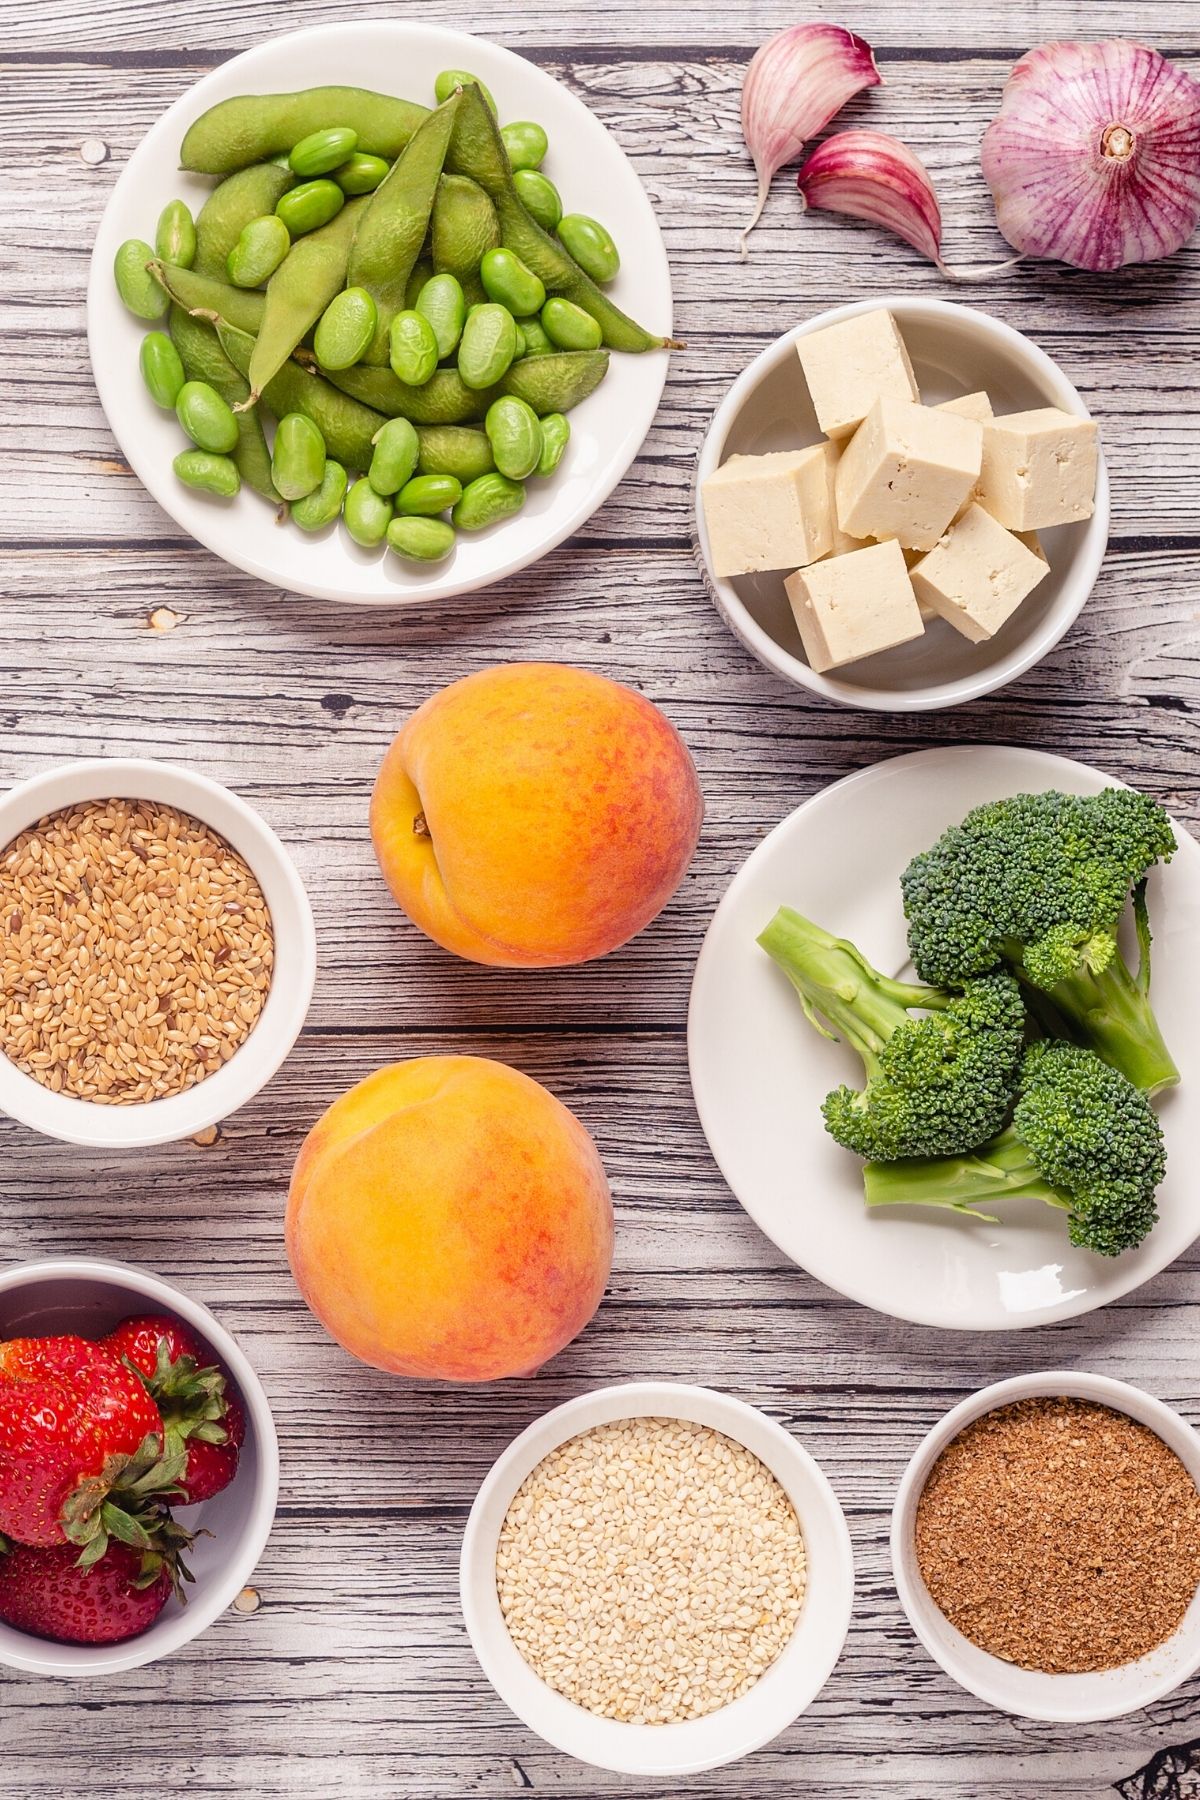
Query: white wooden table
355	1677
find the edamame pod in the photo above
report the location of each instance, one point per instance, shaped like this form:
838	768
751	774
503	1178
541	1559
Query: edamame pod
392	229
442	303
307	207
556	434
322	506
568	326
536	341
394	457
515	436
260	249
367	514
525	143
203	294
507	281
297	456
207	419
346	426
204	360
486	501
422	273
487	346
250	128
590	244
449	79
539	196
464	227
558	382
345	329
456	450
421	540
162	369
250	194
427	495
140	292
360	173
312	272
553	383
322	151
412	348
175	238
211	474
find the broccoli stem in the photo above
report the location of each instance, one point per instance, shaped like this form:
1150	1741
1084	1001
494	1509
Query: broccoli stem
1110	1012
1001	1170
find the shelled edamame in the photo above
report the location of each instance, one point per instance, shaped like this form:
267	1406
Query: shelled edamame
399	287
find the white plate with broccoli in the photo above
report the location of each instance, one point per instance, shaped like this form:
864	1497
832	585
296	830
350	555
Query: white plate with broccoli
1017	1171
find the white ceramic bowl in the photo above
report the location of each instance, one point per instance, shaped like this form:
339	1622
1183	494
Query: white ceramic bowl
593	175
252	1066
789	1685
954	350
77	1294
1029	1693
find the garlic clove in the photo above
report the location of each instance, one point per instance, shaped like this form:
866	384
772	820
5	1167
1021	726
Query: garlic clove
875	177
1094	156
795	84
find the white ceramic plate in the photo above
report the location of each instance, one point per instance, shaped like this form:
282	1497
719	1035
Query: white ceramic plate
593	176
759	1070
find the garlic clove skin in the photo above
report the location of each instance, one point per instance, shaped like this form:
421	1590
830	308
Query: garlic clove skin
875	177
1094	156
795	84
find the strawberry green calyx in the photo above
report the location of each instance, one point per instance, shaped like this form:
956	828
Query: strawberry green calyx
126	1501
191	1398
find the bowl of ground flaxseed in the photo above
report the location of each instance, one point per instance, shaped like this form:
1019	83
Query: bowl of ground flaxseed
1046	1547
656	1578
157	953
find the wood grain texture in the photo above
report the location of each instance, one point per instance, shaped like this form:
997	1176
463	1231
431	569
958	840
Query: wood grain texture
355	1677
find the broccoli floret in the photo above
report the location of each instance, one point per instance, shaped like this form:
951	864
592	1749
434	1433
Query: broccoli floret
1082	1138
1040	882
941	1067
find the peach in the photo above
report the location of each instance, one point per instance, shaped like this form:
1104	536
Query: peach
450	1218
535	815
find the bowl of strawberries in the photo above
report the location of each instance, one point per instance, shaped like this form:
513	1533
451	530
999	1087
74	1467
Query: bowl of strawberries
139	1468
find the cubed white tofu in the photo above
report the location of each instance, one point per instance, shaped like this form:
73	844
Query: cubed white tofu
1039	468
977	576
852	606
848	366
971	406
1033	542
906	471
840	542
768	512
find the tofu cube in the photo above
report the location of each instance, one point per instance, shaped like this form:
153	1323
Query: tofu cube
848	366
906	471
1039	468
854	605
840	542
768	512
971	406
977	576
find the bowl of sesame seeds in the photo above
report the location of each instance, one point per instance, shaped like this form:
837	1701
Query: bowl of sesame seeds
656	1578
157	953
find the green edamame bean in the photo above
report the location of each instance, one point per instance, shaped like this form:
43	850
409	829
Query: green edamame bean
345	329
487	500
526	144
519	352
449	79
162	369
568	326
428	495
515	436
487	346
360	173
367	514
441	302
556	434
322	506
250	128
207	419
204	359
457	450
175	238
297	456
539	196
138	289
536	341
507	281
211	474
309	206
412	348
322	151
590	244
421	540
250	194
261	247
396	448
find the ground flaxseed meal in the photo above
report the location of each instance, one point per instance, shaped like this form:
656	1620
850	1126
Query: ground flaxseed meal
651	1570
135	951
1060	1535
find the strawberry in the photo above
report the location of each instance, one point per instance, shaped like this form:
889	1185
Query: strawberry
199	1406
82	1448
44	1590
